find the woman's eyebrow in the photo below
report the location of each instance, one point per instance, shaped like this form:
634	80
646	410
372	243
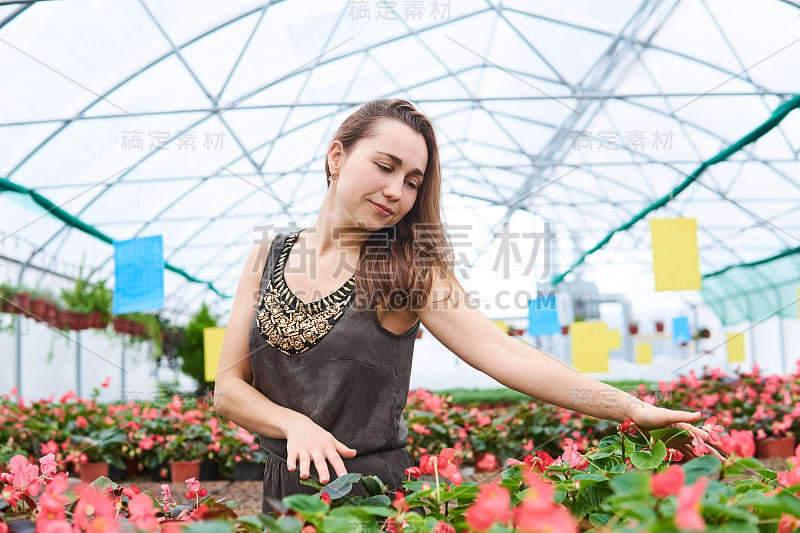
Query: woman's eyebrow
399	161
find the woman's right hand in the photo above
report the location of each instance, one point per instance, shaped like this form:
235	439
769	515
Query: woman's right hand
307	441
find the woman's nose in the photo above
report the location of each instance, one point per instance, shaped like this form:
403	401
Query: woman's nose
394	188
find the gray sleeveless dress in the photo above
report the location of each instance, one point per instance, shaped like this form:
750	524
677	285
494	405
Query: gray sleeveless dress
337	365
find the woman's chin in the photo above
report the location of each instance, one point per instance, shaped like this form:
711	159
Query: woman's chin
369	225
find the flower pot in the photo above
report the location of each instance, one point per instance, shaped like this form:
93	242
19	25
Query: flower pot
96	320
93	470
78	321
180	471
22	303
633	329
62	318
248	471
659	326
50	310
21	526
38	307
159	472
565	330
775	447
122	325
6	306
209	471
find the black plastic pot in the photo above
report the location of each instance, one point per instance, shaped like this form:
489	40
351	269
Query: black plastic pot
248	471
209	471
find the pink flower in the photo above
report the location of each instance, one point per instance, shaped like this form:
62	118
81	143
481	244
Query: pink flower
49	526
713	429
165	491
413	471
529	519
573	456
53	500
399	502
25	475
443	527
48	465
193	484
687	515
245	436
699	447
790	478
308	529
739	442
94	511
444	465
146	443
788	523
487	463
674	455
668	482
81	421
106	382
491	505
141	512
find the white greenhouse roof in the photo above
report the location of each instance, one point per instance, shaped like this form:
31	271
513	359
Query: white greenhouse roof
202	121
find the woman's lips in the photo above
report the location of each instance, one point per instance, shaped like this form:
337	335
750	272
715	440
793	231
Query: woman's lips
380	210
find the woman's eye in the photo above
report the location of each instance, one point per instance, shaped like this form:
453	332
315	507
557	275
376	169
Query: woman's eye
413	185
385	169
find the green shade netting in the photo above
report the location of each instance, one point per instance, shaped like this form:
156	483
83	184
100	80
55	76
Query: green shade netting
755	291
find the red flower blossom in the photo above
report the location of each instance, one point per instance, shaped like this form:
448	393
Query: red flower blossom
443	527
444	465
687	515
141	512
668	482
739	442
413	471
713	429
324	496
399	502
487	464
674	455
629	426
491	505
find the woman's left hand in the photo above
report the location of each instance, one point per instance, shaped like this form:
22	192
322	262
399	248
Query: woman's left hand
652	417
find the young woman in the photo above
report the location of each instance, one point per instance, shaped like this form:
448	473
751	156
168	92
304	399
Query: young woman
317	354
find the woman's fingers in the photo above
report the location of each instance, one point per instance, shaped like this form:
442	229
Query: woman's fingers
322	467
304	465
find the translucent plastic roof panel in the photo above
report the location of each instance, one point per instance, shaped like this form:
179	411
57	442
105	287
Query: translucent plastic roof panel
205	121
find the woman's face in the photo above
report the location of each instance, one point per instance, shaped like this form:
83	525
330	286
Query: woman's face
378	181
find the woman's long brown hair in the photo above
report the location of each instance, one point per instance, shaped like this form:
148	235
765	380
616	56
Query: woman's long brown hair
396	263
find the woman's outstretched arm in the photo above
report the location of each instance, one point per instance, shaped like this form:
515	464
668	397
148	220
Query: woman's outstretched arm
458	324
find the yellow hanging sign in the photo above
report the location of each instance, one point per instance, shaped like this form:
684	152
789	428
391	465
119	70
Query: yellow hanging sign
676	260
212	350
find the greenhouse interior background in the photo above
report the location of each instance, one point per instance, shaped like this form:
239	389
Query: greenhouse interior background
620	184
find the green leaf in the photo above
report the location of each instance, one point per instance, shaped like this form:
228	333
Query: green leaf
705	465
342	485
631	484
599	519
373	485
650	459
305	504
768	474
748	462
209	526
719	510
